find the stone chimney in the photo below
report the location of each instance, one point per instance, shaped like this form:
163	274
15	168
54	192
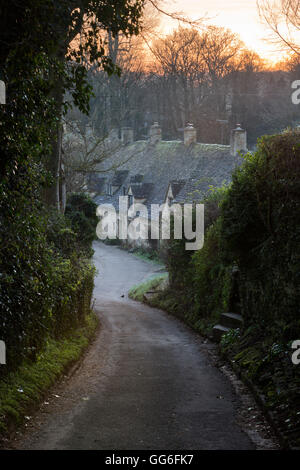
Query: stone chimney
127	135
155	134
190	135
238	140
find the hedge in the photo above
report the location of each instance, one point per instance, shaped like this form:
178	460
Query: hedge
46	281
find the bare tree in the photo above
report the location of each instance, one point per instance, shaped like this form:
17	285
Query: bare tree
283	19
83	151
250	61
219	48
180	17
178	63
193	66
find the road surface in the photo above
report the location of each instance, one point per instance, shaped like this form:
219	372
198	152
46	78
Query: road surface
146	383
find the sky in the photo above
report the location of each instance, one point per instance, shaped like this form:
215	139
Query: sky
240	16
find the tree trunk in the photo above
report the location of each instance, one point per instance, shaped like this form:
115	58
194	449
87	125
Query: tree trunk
63	190
53	161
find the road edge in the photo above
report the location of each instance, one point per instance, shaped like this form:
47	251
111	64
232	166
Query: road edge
23	391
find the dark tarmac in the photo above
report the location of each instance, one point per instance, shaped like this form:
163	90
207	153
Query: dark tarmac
147	381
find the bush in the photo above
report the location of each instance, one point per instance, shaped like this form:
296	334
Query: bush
81	211
261	231
201	281
45	282
211	277
253	229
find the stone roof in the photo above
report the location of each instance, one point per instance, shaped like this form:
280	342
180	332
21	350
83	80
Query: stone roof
136	179
191	170
96	183
142	190
119	177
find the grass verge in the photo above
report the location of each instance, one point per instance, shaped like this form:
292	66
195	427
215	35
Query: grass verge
170	301
151	256
137	292
23	390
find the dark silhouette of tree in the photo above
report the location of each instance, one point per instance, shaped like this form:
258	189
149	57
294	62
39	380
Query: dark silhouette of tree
39	50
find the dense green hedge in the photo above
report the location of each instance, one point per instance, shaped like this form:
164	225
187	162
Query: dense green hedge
81	212
202	281
261	231
253	228
46	282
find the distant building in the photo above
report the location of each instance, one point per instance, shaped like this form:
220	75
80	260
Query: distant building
157	171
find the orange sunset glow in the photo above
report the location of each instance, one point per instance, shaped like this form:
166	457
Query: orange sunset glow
241	16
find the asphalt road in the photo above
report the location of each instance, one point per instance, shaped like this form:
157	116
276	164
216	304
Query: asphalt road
146	383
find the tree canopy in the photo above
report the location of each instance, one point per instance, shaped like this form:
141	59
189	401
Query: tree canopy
37	52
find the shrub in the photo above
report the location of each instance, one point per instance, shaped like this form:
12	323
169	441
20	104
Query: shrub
45	282
201	280
81	211
261	231
212	279
255	232
253	229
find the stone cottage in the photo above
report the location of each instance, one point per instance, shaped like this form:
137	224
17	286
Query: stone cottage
157	171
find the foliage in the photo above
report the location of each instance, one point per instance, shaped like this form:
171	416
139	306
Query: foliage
22	391
255	233
212	202
178	261
212	281
46	284
230	338
81	211
41	61
146	254
137	292
202	280
267	364
261	231
46	280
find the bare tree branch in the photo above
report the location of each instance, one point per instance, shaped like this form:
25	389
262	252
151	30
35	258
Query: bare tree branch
283	20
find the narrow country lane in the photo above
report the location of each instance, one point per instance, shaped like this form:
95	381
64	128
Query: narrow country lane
146	382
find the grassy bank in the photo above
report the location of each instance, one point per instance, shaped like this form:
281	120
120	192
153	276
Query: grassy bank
137	292
22	391
167	299
145	255
266	366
